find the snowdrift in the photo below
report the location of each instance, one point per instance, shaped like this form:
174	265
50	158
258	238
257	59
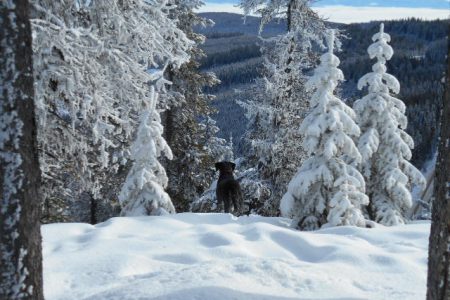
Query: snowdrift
221	257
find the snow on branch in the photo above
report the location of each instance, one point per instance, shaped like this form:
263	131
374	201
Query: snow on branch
91	67
143	191
384	145
327	190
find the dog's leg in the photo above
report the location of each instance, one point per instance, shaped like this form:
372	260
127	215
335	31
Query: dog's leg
241	200
237	209
227	202
238	201
219	201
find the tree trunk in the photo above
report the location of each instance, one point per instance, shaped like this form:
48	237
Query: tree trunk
93	207
168	115
439	252
20	237
294	8
289	15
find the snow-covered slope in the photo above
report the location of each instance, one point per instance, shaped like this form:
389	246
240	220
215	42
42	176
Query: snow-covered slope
217	256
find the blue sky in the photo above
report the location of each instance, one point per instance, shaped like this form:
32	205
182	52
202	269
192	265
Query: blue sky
439	4
351	11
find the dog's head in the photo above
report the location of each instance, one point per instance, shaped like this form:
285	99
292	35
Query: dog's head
225	167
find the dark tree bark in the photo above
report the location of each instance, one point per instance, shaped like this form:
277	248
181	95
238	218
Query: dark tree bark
20	237
439	252
293	5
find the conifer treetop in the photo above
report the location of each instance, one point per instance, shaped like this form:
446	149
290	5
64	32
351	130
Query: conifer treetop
383	52
329	113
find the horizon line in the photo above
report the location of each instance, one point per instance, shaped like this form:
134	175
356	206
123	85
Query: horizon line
352	14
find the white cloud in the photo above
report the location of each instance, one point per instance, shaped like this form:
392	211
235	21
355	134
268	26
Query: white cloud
221	7
352	14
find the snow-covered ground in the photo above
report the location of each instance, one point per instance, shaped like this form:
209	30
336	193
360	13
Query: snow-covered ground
217	256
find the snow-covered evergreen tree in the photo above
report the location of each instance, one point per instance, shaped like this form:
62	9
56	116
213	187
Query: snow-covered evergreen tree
185	129
92	82
384	145
282	100
143	191
327	190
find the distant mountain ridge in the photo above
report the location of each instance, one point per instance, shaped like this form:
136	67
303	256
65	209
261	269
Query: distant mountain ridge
232	49
231	23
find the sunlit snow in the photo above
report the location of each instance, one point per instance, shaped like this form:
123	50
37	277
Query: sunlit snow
218	256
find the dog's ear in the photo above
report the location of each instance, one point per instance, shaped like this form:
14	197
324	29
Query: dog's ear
233	166
218	165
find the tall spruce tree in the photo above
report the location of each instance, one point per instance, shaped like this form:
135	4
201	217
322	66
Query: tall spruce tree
282	102
384	144
143	191
328	190
20	236
187	126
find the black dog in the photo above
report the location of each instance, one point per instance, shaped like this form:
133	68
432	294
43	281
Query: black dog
228	190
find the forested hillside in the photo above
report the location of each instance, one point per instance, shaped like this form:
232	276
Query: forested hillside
420	47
